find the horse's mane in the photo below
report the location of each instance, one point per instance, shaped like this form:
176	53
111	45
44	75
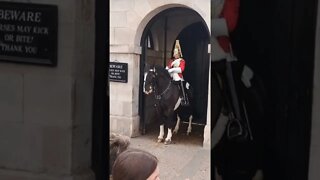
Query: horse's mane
162	70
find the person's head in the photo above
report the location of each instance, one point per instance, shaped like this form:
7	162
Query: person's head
117	144
135	164
176	53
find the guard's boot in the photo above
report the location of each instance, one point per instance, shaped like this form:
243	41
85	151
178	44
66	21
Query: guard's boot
183	95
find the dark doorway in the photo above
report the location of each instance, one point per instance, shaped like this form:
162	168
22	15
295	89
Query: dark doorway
276	39
194	41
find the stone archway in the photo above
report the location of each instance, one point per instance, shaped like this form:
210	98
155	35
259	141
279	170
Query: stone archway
164	28
128	20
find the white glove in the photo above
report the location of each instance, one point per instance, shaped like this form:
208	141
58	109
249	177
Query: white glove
176	63
247	75
175	70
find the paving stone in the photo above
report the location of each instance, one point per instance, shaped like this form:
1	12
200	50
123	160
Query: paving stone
184	159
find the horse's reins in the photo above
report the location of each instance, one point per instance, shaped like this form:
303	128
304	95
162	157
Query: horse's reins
158	96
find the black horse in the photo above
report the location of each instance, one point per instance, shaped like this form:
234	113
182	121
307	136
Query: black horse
239	155
157	82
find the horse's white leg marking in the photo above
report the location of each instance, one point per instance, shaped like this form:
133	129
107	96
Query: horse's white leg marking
219	129
176	129
177	104
189	127
169	135
161	134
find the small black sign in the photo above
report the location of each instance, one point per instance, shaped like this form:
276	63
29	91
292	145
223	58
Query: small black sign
118	72
28	33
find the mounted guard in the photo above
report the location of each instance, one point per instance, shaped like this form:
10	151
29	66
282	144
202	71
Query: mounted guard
175	67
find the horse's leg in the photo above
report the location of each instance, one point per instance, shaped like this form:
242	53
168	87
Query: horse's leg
176	129
161	123
161	134
219	129
168	138
170	124
189	126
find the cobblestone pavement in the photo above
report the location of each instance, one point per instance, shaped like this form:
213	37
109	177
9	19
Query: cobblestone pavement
184	159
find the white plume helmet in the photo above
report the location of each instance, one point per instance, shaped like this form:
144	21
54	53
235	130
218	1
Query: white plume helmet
177	48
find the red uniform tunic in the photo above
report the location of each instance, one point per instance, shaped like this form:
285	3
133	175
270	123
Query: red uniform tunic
230	12
177	63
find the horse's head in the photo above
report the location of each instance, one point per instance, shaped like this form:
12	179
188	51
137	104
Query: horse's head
149	80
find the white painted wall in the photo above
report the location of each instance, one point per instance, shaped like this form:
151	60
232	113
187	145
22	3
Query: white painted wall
45	124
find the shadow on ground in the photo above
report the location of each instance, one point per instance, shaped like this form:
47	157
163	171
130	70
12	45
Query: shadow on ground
194	138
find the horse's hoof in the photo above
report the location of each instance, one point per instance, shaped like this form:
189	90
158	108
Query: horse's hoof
188	131
175	132
167	142
160	140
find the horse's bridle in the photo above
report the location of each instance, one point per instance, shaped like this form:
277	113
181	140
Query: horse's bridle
153	83
158	96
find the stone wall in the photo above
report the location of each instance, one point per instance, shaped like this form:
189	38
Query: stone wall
46	112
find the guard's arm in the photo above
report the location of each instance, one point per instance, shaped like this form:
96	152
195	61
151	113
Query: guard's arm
231	13
175	70
182	65
219	27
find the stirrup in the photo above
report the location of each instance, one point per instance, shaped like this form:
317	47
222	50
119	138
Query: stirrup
184	102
